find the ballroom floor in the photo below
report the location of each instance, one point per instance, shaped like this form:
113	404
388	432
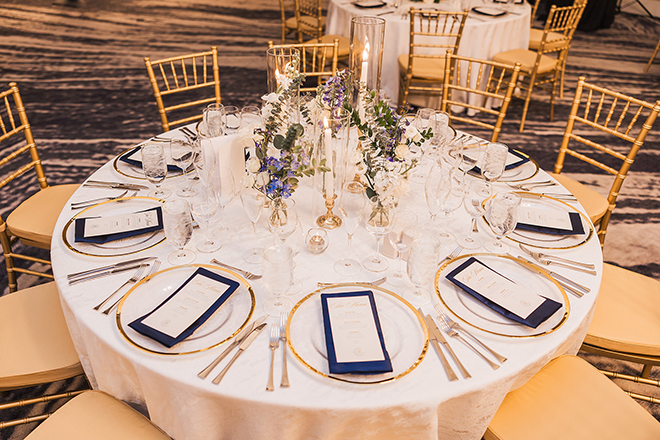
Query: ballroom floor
80	68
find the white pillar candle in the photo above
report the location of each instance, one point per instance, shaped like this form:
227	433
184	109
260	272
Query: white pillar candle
329	178
365	64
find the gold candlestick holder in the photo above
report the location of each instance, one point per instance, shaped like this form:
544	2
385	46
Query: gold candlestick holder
329	220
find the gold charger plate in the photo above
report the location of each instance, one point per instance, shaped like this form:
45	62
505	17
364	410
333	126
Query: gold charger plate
224	324
125	246
404	331
474	313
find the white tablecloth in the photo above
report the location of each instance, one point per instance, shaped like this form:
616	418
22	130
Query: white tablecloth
483	36
422	405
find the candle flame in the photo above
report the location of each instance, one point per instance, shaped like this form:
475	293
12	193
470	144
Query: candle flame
365	53
325	123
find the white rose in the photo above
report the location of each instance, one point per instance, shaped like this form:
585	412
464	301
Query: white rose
249	181
402	151
360	168
271	97
356	157
262	179
253	164
413	133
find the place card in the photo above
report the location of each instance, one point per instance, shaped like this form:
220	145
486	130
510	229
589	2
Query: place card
501	294
353	334
134	157
549	221
513	160
105	229
187	308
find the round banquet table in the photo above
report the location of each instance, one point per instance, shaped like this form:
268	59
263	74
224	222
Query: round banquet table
423	404
483	36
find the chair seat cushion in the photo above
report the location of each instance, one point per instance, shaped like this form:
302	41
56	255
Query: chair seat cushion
595	204
33	221
526	58
291	23
310	23
99	416
423	68
627	315
570	399
554	40
35	341
344	48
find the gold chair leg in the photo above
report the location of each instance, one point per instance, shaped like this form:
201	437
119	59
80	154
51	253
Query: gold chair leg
529	97
9	262
655	52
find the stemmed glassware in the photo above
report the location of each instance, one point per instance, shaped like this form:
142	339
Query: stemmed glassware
183	153
225	187
215	119
233	118
493	162
474	206
277	269
204	205
253	204
178	225
422	265
379	224
351	210
295	241
154	165
282	217
424	119
437	189
401	236
503	217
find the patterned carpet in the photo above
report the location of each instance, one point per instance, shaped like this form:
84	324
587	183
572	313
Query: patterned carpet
80	69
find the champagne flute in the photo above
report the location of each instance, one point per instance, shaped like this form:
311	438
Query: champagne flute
422	265
253	204
295	241
351	210
204	205
215	119
451	203
233	118
475	195
379	223
154	166
493	162
277	269
401	236
282	217
225	186
503	218
183	153
437	189
177	223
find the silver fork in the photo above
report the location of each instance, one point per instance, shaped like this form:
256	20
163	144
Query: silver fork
529	185
90	202
245	273
454	334
378	282
455	253
456	326
274	343
284	316
154	268
133	279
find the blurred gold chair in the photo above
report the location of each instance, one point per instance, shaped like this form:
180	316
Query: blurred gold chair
187	74
36	345
570	399
432	33
614	114
99	416
311	23
315	59
33	221
289	21
487	79
535	8
541	70
655	52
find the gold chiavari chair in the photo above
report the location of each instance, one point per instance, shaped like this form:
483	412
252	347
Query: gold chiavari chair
655	52
432	33
36	346
570	399
541	70
97	415
289	21
535	8
33	220
311	23
318	60
487	79
182	78
614	114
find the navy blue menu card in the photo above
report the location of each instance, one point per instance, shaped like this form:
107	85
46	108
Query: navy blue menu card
134	157
187	308
353	335
549	221
501	294
105	229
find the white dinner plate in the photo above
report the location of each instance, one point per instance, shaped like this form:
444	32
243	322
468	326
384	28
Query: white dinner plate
225	323
404	332
475	313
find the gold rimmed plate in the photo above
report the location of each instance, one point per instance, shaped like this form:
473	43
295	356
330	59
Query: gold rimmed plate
230	318
476	314
404	332
125	246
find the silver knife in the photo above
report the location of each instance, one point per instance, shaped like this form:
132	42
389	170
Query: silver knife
241	348
440	337
104	274
450	372
116	185
237	340
567	284
108	268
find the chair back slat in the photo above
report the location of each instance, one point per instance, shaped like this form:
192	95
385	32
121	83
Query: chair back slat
309	16
318	60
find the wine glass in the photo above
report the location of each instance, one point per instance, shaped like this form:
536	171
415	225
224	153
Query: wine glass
253	204
225	186
183	153
503	217
204	205
493	162
378	223
154	166
452	153
233	118
475	195
422	265
401	236
277	270
178	225
351	210
215	119
282	217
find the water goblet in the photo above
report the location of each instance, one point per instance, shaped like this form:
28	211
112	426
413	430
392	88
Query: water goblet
225	187
178	225
183	153
493	162
401	236
351	210
475	195
378	223
253	204
422	265
503	217
204	205
215	119
154	165
282	217
277	270
233	118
